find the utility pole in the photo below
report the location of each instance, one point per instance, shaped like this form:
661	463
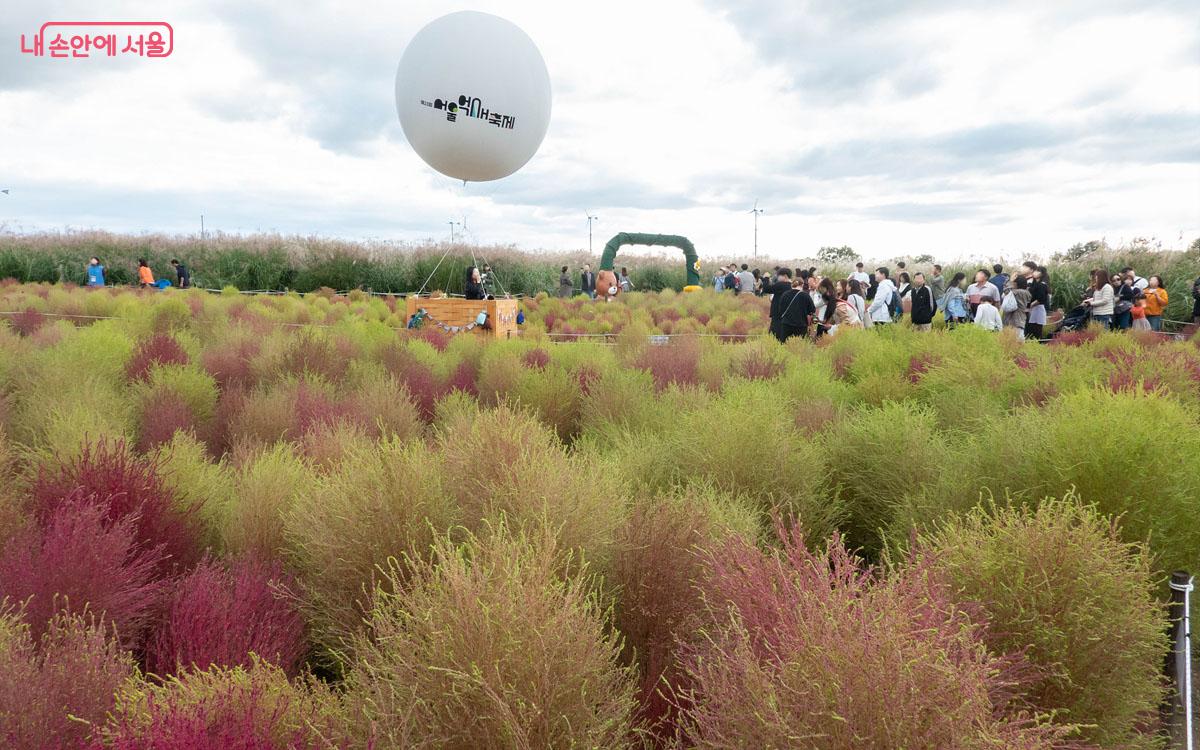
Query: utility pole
590	219
451	223
756	211
201	227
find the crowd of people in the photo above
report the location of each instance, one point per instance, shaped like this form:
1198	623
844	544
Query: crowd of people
97	274
802	301
609	283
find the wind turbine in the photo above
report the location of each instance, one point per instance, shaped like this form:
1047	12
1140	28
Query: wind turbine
756	211
590	219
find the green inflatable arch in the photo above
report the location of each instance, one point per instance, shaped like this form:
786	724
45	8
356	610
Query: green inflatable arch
659	240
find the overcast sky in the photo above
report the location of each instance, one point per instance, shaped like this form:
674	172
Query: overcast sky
957	127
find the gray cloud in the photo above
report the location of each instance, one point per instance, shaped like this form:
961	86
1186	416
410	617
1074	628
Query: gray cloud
343	76
35	204
24	72
597	192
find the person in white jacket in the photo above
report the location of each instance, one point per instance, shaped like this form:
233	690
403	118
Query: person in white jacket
880	310
987	316
1102	300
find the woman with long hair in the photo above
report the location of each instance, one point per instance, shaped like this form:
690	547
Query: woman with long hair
953	303
845	313
1039	292
857	299
474	288
1101	300
829	296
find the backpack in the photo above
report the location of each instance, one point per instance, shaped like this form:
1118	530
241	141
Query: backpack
896	305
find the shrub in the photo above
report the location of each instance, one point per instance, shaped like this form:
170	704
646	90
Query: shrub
157	349
27	322
161	419
419	378
255	708
125	486
488	648
220	614
56	688
309	353
1056	582
265	488
744	443
813	646
230	364
876	456
553	395
79	561
387	409
656	573
1101	445
200	487
381	503
504	463
676	363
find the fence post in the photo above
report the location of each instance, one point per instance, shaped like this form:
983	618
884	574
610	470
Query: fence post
1180	670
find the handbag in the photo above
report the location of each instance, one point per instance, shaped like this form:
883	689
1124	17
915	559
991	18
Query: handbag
481	318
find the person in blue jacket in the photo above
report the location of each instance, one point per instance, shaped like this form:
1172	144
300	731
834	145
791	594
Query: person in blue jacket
95	272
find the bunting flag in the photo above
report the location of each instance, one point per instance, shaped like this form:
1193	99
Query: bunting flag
445	327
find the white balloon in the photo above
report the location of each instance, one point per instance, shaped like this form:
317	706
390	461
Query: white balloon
473	95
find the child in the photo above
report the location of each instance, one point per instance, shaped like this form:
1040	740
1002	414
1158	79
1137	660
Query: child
987	316
1139	314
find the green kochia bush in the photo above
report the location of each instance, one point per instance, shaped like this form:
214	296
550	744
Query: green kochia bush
878	455
745	443
1057	583
1132	454
242	707
505	464
487	647
384	503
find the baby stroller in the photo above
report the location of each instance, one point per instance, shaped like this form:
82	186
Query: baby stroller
1076	320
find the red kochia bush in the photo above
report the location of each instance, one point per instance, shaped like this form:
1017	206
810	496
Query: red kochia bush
78	559
677	362
462	379
536	358
54	689
815	646
417	377
159	349
28	322
221	614
124	484
230	365
310	354
161	419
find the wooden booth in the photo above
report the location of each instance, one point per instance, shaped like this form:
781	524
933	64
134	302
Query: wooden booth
457	315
